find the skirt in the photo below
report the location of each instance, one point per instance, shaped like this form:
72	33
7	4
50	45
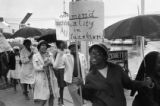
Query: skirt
59	73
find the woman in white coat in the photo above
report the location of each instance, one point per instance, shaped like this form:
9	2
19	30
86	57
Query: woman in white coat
44	86
27	73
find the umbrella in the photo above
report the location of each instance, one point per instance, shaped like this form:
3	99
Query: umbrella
27	32
7	35
47	31
143	25
48	38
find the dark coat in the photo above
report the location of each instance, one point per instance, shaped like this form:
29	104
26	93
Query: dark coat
108	91
148	96
4	63
12	60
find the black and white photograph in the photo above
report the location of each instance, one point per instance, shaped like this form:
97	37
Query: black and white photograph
79	53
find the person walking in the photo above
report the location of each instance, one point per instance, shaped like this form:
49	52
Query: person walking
149	69
59	67
44	85
4	68
27	73
71	74
14	73
105	82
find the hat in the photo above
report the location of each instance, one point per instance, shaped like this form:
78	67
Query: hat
52	44
100	46
42	42
16	47
73	44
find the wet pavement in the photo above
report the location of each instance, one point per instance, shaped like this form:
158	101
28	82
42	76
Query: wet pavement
12	98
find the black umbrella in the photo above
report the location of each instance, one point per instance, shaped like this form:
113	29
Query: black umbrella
27	32
7	35
144	25
47	31
48	38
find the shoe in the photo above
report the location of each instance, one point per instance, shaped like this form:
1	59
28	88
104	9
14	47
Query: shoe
60	102
26	96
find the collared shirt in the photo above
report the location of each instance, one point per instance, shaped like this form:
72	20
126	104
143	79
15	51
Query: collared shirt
59	60
104	72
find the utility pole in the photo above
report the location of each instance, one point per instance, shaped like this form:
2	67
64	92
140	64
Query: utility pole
138	9
142	7
64	6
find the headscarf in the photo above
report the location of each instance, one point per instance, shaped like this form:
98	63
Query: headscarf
16	47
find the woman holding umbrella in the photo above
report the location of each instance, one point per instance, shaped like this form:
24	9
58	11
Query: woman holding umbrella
149	69
27	73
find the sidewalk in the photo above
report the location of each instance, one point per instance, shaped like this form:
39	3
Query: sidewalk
10	98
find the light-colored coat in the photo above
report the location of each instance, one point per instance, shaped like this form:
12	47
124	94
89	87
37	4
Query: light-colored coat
41	86
27	73
69	65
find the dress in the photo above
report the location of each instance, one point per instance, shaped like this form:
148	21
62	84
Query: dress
27	73
42	90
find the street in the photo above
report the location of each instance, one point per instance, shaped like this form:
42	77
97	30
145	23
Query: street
11	98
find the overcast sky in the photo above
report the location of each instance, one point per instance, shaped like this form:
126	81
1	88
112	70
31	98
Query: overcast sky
45	11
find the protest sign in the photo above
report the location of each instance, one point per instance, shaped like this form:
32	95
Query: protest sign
62	27
86	20
118	56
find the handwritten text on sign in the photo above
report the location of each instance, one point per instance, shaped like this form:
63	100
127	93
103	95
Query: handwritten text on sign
86	20
62	27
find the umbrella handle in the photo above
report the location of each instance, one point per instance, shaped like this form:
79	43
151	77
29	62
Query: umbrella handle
142	42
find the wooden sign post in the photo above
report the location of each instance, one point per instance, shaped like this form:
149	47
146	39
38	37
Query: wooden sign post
86	23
